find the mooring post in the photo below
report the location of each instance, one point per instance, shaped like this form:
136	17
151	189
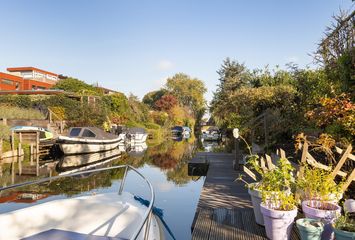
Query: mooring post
13	143
37	153
1	143
31	154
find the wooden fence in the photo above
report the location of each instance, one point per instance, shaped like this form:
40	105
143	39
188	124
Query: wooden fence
267	163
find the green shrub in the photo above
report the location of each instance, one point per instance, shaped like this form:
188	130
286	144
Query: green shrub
12	112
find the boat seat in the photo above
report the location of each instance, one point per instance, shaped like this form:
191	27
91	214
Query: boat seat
57	234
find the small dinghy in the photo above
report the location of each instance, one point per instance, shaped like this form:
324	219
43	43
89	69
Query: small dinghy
44	133
100	216
82	140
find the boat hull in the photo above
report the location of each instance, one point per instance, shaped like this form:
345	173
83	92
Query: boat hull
82	146
107	215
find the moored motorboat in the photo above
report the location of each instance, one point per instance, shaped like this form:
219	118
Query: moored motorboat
73	161
136	135
82	140
94	216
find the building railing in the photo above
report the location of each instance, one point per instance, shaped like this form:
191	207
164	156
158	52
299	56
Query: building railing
148	214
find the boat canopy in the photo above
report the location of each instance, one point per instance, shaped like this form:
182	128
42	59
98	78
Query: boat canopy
136	130
90	132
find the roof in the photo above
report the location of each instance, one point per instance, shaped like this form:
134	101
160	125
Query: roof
22	69
136	130
30	92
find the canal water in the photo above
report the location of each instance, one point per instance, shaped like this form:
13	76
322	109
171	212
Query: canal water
164	165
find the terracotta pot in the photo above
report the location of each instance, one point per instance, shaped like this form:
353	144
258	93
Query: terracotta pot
278	224
314	209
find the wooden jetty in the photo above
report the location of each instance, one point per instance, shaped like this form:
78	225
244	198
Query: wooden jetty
224	210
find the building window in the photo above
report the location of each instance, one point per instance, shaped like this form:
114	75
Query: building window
7	82
17	86
34	87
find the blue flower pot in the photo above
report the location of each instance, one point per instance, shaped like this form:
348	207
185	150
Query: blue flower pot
344	235
310	229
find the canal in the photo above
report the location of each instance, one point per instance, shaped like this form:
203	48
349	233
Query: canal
164	164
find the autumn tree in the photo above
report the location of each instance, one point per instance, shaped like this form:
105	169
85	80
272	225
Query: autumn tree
189	92
166	102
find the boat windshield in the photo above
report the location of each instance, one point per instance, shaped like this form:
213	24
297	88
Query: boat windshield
88	133
74	132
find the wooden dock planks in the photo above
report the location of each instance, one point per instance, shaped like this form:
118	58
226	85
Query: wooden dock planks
224	210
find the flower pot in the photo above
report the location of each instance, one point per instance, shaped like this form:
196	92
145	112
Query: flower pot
278	224
333	197
343	235
310	229
349	205
256	200
325	211
255	195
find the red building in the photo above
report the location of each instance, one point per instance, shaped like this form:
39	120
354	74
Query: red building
27	78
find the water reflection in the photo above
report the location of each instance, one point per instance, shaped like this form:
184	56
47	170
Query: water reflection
164	164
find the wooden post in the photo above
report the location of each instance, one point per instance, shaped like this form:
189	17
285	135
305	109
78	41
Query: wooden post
342	161
13	171
303	158
1	144
20	144
31	153
20	159
237	154
37	153
4	121
349	180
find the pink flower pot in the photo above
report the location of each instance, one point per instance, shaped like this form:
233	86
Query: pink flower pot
278	224
312	209
256	201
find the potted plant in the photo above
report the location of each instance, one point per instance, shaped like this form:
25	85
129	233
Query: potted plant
319	191
272	181
279	211
344	227
310	229
318	184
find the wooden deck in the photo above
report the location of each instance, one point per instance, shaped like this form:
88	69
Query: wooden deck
224	209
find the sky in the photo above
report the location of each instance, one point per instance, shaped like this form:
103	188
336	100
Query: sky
134	46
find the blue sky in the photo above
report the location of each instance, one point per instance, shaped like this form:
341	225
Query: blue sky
133	46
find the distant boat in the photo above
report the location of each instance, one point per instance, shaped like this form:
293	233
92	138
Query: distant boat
180	131
212	134
136	135
44	133
74	161
82	140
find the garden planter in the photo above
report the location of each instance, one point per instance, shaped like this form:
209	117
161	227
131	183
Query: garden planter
256	199
310	229
278	224
326	212
343	235
333	197
349	205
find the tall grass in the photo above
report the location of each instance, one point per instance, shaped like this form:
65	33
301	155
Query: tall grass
11	112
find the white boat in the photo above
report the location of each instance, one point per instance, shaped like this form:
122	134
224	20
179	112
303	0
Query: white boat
136	135
74	161
212	134
44	133
88	140
99	216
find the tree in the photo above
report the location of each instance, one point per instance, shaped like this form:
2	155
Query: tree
166	102
76	86
151	97
189	91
